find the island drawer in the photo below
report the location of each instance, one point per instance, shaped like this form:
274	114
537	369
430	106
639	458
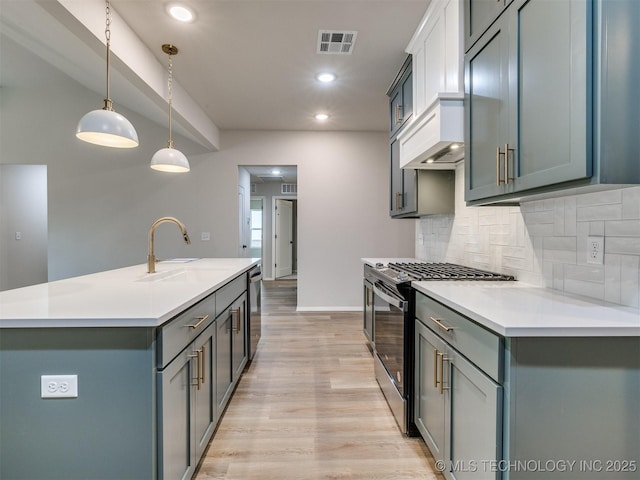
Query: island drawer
176	334
481	346
227	294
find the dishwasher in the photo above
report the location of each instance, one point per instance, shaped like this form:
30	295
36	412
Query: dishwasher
254	323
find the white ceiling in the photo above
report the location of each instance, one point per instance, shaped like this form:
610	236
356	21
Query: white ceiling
242	65
250	64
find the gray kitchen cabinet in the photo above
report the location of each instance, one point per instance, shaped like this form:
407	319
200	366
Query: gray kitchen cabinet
187	412
524	408
231	350
458	407
538	115
430	402
238	336
223	361
206	413
527	97
401	98
146	403
478	16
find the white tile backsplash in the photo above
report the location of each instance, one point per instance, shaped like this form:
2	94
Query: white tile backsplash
544	242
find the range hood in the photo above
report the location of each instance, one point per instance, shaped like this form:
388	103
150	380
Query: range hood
435	138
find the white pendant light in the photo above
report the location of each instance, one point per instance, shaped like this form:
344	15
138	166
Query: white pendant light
106	127
169	159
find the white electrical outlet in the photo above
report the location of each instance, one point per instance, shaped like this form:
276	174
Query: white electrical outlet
595	250
59	386
205	236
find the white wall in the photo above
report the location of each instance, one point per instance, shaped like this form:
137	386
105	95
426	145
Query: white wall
544	242
23	209
343	184
102	201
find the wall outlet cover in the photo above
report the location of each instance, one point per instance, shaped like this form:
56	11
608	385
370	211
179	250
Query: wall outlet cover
59	386
595	250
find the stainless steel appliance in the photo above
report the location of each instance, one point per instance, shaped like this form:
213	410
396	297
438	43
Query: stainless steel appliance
254	323
393	324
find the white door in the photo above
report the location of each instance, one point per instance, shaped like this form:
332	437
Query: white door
284	238
244	224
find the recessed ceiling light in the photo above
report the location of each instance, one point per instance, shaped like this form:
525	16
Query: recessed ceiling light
275	172
430	160
326	77
181	12
454	146
321	116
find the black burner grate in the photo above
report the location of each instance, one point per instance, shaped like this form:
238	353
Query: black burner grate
446	271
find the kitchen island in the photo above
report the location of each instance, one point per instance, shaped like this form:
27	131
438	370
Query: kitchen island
119	374
528	382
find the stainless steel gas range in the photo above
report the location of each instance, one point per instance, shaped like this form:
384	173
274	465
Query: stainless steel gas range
389	325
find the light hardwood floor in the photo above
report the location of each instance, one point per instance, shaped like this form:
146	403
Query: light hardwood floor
309	407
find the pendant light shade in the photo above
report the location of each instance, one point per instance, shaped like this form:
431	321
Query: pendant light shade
106	127
169	159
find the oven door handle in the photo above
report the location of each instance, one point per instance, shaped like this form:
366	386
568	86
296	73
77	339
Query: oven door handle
392	300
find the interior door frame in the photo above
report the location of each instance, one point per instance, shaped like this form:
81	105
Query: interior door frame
273	227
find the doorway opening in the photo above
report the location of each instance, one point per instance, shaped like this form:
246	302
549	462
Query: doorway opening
268	185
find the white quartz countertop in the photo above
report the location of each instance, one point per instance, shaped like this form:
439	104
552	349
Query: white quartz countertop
125	297
515	309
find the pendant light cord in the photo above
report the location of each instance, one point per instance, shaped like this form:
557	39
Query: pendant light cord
170	89
108	105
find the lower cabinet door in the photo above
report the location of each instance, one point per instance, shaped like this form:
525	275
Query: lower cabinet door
205	389
474	419
223	360
238	336
430	394
177	455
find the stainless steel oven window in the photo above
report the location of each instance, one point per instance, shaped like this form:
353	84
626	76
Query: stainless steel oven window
389	314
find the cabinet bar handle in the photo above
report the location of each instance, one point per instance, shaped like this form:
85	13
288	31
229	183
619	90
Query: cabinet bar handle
498	166
435	368
441	325
197	356
204	364
200	318
506	162
399	202
499	180
236	312
441	359
398	114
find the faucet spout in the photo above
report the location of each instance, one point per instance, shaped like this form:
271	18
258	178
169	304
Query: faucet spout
151	259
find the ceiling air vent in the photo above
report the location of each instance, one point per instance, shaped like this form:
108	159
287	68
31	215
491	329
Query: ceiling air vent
289	188
336	42
271	178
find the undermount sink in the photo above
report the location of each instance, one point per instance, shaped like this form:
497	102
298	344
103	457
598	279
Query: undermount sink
161	276
178	260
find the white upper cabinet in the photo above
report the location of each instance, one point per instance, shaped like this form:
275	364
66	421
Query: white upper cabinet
438	90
